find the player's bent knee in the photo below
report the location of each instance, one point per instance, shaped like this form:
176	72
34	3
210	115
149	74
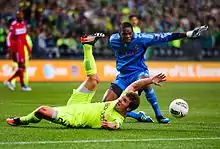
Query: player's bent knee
42	109
44	112
95	78
92	82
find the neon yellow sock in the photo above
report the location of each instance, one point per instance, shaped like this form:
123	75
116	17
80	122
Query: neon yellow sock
89	61
30	118
14	69
26	75
14	81
26	78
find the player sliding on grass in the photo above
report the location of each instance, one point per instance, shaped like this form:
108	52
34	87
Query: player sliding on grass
129	49
79	111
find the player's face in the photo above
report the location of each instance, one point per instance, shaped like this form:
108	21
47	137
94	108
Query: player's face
123	104
19	16
134	21
126	34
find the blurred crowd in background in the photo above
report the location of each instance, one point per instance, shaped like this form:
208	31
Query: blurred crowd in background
55	26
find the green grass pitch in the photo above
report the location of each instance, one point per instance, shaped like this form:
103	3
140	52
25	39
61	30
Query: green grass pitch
200	129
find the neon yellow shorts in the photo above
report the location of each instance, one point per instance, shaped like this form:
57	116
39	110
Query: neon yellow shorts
69	115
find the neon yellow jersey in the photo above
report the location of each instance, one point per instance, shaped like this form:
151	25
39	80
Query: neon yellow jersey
136	29
89	115
29	41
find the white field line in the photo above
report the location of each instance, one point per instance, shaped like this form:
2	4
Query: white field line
107	141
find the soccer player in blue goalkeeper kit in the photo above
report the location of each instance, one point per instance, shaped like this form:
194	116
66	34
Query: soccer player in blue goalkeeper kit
129	49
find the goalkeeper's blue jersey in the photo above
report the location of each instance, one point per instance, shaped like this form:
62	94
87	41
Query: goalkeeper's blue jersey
130	57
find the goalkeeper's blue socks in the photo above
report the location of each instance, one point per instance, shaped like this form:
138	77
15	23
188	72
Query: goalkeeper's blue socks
133	115
152	99
140	116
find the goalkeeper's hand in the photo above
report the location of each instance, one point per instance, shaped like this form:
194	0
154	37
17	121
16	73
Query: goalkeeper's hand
196	32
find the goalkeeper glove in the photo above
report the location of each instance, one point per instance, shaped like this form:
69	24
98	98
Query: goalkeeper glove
196	32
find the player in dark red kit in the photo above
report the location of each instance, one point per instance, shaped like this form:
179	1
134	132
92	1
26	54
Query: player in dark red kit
16	42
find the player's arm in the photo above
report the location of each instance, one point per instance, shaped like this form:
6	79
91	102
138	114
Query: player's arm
9	41
141	83
166	37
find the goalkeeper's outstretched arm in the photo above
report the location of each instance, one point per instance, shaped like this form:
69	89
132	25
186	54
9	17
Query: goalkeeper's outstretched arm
166	37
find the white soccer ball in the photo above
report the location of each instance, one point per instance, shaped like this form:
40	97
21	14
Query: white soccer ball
178	108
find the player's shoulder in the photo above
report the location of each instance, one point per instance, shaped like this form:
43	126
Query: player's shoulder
143	36
14	23
113	103
114	36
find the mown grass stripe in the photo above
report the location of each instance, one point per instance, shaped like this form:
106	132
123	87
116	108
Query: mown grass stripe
106	141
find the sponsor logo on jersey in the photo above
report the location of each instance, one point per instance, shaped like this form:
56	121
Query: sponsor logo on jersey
128	52
102	116
20	31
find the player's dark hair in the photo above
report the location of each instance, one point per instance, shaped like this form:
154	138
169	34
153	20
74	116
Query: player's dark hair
125	25
135	100
133	15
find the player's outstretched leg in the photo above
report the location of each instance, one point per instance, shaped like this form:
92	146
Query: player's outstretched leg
140	116
91	39
89	62
152	99
43	112
144	118
24	120
90	83
15	121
